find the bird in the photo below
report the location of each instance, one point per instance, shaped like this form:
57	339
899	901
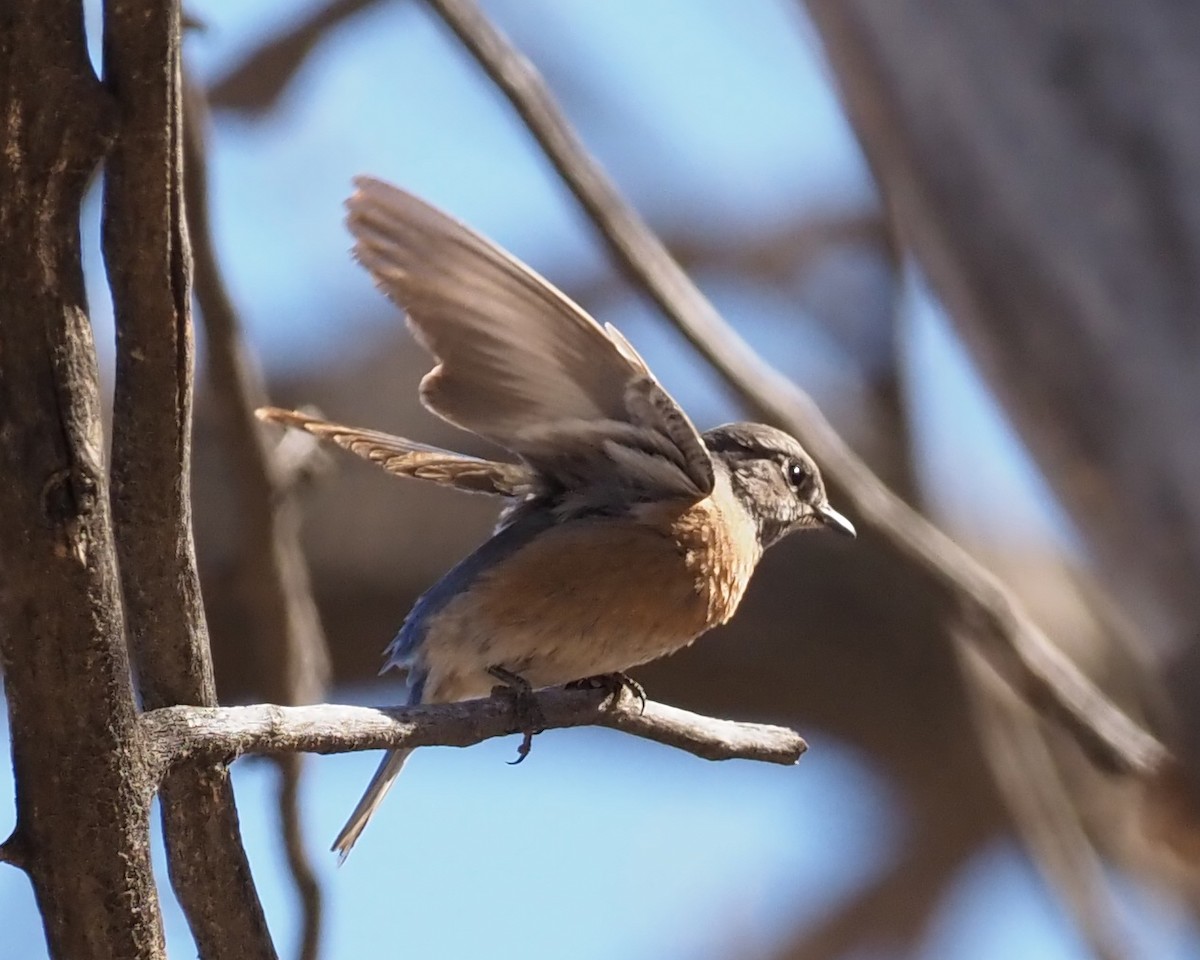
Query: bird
626	532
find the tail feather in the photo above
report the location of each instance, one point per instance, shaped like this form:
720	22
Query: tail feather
407	458
372	797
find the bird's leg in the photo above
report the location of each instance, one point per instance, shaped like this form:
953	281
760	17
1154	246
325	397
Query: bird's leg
525	706
615	684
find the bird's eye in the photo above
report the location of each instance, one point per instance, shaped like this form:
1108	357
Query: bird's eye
797	476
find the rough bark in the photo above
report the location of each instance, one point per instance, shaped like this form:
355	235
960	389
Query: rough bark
83	796
181	733
149	268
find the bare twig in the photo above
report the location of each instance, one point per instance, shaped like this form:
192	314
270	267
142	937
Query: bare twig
284	625
308	888
149	268
1043	811
256	83
181	733
1016	644
776	255
278	597
890	914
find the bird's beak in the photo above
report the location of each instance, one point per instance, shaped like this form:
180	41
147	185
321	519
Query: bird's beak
835	521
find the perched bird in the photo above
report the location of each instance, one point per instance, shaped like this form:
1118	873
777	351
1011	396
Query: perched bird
627	533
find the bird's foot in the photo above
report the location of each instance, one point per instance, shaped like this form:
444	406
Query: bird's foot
615	684
529	714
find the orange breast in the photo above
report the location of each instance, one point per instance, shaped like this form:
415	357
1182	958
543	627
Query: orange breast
595	596
719	544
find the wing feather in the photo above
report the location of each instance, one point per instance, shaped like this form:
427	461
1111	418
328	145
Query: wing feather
518	362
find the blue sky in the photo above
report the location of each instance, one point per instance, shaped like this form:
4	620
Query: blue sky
716	116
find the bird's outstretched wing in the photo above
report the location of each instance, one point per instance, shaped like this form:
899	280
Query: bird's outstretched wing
408	459
520	364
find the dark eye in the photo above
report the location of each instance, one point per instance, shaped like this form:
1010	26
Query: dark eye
797	476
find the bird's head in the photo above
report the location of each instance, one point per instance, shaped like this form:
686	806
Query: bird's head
775	480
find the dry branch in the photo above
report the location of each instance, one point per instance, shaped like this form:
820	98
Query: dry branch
1043	811
148	261
1025	656
300	864
186	733
1042	162
255	85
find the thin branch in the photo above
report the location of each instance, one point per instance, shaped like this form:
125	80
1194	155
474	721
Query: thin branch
891	913
284	623
1015	643
148	262
300	865
184	733
777	255
1024	768
304	876
300	459
256	83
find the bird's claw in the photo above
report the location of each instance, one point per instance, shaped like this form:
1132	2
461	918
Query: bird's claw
530	718
615	684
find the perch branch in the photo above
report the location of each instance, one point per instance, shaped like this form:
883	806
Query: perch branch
1015	644
179	734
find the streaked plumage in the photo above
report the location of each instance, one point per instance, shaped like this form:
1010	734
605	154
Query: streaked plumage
627	533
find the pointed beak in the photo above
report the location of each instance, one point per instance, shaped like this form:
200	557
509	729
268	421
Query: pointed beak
835	521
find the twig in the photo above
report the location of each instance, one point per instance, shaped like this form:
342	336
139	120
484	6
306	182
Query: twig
284	624
257	82
1028	777
1018	647
891	913
308	888
183	733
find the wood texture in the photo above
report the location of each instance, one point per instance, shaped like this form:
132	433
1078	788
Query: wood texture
148	260
82	797
179	733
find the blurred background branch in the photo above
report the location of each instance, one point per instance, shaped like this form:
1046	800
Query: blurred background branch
283	623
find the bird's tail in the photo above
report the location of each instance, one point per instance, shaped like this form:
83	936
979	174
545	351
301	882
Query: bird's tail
389	770
406	458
